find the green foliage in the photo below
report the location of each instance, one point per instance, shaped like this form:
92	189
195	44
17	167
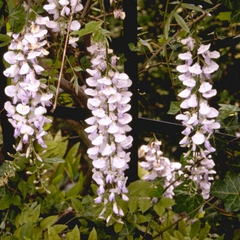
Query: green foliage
228	191
187	200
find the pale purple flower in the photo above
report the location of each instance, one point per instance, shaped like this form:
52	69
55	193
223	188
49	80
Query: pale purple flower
198	117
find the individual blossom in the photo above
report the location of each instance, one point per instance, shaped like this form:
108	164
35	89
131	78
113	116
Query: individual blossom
108	127
159	166
198	117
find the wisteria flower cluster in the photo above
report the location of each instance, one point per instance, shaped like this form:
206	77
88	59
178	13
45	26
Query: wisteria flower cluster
198	117
159	166
109	103
60	10
28	93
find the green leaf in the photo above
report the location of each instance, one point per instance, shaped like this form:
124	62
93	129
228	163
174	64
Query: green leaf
53	160
75	190
59	227
166	202
93	235
204	232
195	227
77	204
140	187
229	191
166	236
133	203
182	227
187	201
174	108
118	227
178	235
90	27
144	204
134	48
48	222
224	16
5	202
72	153
159	209
74	234
191	7
167	26
181	22
227	110
157	192
52	234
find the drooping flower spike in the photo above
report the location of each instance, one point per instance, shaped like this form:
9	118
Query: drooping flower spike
198	117
109	104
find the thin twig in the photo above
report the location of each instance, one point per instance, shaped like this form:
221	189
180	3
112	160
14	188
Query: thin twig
63	58
174	36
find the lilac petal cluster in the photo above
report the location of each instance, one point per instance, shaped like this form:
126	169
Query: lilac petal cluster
60	10
159	166
198	116
109	104
29	96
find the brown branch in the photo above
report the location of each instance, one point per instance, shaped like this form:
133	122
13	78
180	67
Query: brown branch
80	97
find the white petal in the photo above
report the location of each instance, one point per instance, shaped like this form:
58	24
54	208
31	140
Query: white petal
105	121
185	56
198	138
10	57
91	82
192	101
206	86
185	93
127	118
214	54
182	117
91	120
118	162
93	150
99	113
204	108
211	93
203	48
119	137
75	25
90	92
94	102
189	82
196	69
113	128
98	140
182	68
99	163
23	109
213	113
210	68
91	129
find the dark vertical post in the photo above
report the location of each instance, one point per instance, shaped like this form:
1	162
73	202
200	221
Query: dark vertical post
130	36
7	129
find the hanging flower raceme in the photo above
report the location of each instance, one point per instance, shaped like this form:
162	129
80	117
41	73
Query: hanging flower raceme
29	97
109	103
198	117
159	167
